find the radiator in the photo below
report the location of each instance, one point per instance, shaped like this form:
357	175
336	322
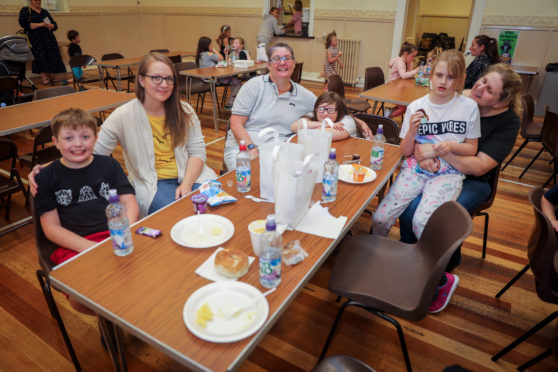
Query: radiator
350	49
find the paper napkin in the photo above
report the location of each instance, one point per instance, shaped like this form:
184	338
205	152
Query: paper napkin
207	269
318	221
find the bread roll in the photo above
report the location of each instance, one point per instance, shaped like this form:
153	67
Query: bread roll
231	263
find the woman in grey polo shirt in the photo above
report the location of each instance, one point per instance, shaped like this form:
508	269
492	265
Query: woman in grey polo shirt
271	100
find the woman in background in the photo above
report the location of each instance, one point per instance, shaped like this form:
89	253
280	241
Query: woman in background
40	26
485	51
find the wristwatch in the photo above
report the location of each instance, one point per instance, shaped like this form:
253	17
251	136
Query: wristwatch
252	146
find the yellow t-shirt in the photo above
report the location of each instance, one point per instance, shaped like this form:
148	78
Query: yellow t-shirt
165	162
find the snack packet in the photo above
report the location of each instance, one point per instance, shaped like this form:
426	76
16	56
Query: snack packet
215	194
293	253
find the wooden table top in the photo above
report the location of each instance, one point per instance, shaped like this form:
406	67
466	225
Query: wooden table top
401	92
218	72
29	115
527	70
120	62
145	292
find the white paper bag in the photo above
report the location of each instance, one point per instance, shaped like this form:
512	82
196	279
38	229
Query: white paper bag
293	187
291	152
261	52
318	142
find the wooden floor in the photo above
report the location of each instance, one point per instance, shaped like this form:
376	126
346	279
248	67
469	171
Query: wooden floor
472	328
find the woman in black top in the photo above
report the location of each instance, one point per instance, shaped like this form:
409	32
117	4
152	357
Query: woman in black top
485	51
40	26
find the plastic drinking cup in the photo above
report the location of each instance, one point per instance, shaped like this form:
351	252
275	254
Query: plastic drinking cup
256	229
358	173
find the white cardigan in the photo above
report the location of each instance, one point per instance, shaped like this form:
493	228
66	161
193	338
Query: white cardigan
129	126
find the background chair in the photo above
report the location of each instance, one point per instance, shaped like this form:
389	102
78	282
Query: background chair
44	250
541	251
391	129
341	363
373	77
159	51
530	131
106	76
82	61
44	150
52	92
335	84
11	184
364	270
198	86
297	73
480	210
9	89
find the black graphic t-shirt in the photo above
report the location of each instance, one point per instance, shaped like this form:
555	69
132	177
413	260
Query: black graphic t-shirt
80	195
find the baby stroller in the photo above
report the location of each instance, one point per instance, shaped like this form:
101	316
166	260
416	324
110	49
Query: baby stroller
14	53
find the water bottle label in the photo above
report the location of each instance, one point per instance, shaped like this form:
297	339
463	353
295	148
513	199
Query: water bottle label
243	178
377	155
118	238
270	269
329	188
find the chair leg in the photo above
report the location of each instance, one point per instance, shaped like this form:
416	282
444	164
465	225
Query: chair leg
525	336
333	327
399	334
531	163
45	286
485	236
535	360
511	282
515	154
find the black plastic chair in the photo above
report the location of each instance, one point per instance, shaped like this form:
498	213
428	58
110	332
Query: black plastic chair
44	250
297	72
373	77
541	252
364	270
52	92
335	84
197	85
44	150
82	61
11	184
391	129
341	363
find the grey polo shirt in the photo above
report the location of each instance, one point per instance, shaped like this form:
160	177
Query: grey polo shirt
259	100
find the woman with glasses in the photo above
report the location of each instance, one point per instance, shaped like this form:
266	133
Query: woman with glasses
271	100
161	137
330	105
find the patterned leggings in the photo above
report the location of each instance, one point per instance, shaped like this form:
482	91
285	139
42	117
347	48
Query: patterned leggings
435	189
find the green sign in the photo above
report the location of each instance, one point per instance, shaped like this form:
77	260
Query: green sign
507	40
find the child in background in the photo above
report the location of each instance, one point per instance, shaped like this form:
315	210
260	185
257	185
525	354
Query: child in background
73	191
75	50
332	56
238	51
402	68
206	57
451	122
296	18
223	40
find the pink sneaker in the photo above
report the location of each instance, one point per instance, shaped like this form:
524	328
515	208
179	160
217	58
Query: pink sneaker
444	293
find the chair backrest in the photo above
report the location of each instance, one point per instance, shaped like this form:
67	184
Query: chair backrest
297	72
335	84
528	113
175	59
8	89
549	132
444	232
42	154
110	56
52	92
543	246
373	76
82	60
493	189
391	129
8	151
159	51
44	246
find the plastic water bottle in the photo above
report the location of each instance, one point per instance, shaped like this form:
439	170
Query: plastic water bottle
428	68
420	75
118	226
331	175
243	172
377	155
270	254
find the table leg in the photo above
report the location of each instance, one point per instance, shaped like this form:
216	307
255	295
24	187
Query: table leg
107	332
118	78
374	108
212	84
101	81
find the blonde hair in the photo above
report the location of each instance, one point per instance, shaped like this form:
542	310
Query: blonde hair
511	86
455	63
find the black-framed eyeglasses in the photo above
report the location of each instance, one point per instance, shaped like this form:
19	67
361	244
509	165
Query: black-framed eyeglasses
156	79
330	110
278	59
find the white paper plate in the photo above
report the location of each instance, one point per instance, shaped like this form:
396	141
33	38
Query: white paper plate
186	232
219	297
346	174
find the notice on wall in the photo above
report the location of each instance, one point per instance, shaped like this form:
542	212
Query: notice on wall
507	40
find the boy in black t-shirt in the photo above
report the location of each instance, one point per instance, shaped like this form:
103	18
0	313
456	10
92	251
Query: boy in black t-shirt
73	191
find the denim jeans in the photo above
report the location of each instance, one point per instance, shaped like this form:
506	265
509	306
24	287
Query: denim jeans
473	194
166	189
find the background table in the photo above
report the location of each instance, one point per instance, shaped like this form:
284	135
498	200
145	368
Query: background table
29	115
144	293
213	74
400	92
